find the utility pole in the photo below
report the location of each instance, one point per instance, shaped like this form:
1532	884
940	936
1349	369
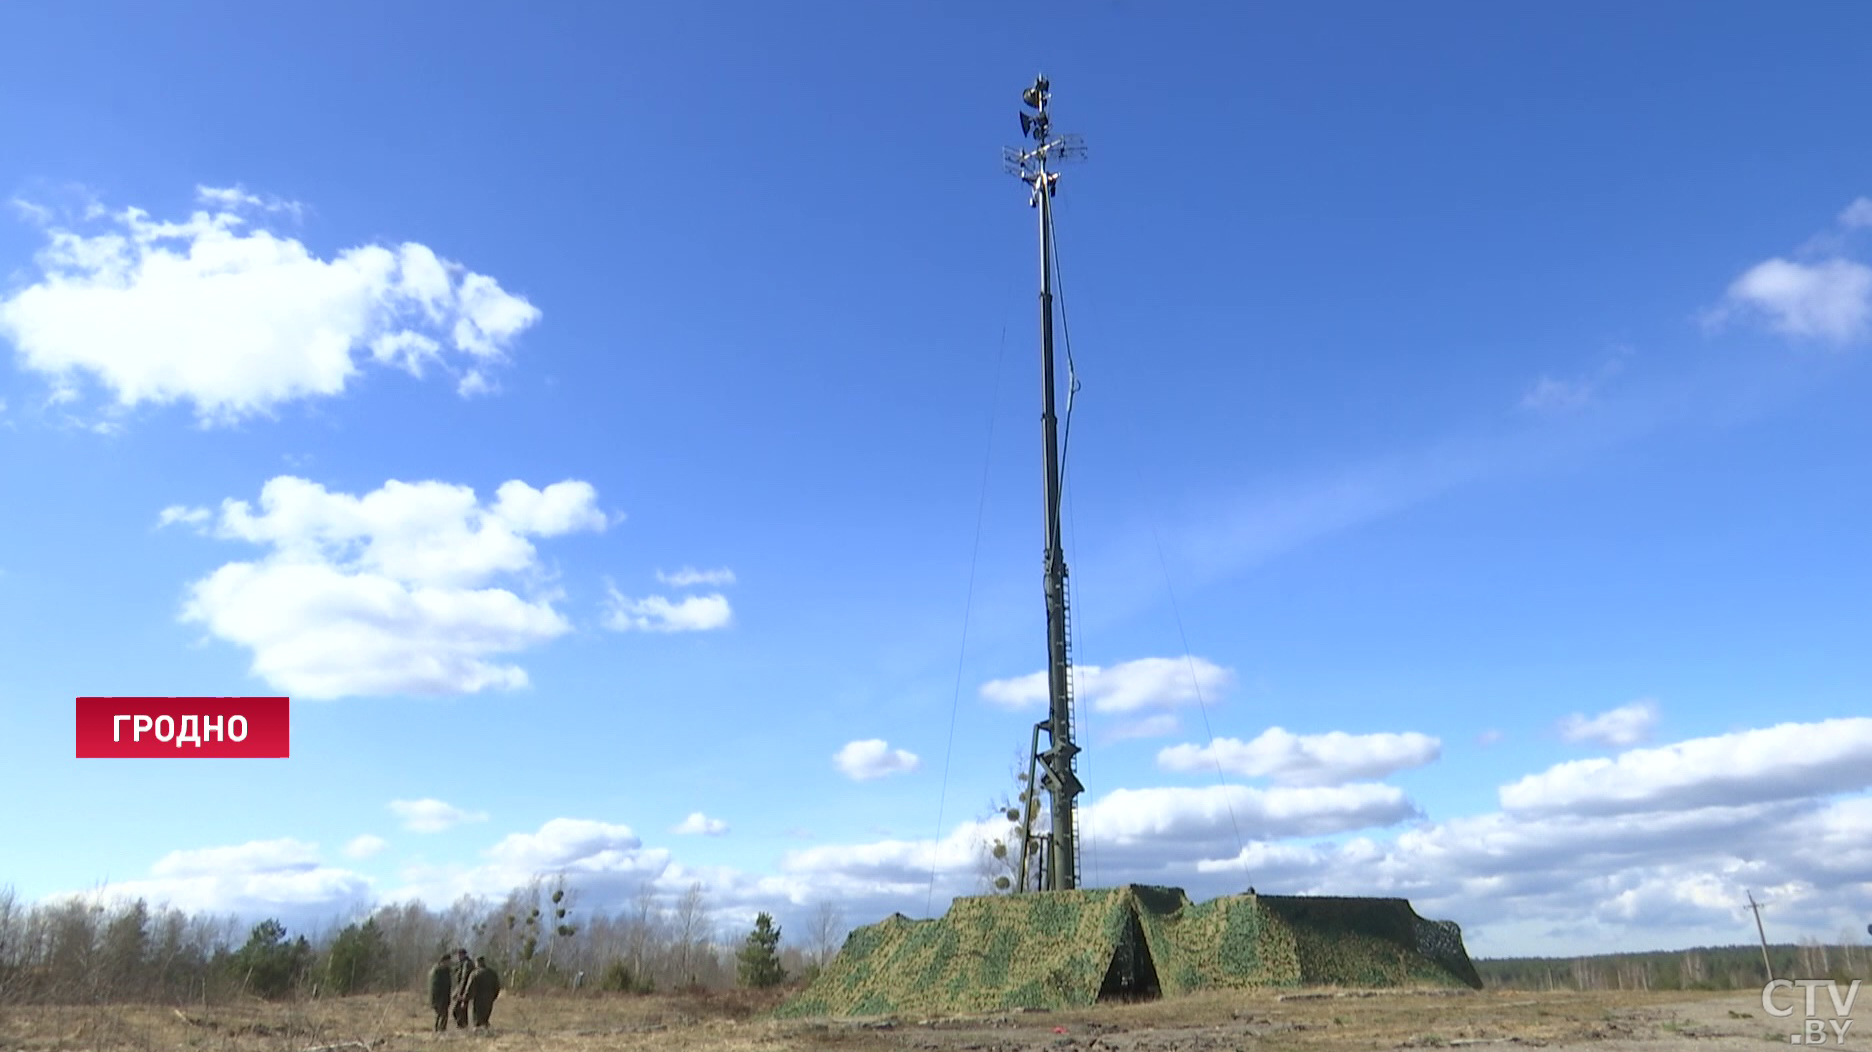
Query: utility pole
1033	166
1756	907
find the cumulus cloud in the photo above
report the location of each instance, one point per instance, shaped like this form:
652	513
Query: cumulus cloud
280	878
1784	762
365	846
1527	881
1619	728
1312	759
1140	835
567	843
1858	214
699	824
1157	725
862	761
389	593
1147	683
236	320
1179	821
689	577
694	613
187	516
432	816
257	856
606	862
1828	300
237	197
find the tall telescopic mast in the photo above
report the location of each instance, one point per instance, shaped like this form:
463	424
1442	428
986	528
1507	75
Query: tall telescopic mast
1060	869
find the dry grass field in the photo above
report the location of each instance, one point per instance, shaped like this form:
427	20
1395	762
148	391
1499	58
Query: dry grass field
1309	1021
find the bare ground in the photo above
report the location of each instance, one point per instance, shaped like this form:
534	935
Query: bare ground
1310	1021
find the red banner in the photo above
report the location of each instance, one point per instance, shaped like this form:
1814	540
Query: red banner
244	728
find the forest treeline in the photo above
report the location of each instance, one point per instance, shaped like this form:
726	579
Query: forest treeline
76	951
1703	968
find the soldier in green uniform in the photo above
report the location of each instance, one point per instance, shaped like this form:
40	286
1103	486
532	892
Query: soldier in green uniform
442	989
464	967
483	987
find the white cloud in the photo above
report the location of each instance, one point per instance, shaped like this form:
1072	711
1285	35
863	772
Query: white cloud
1619	728
258	856
177	513
874	758
238	320
1526	882
694	613
1830	300
1490	737
432	816
1858	214
1132	686
237	197
280	878
1159	725
1555	395
391	592
1550	395
1784	762
689	577
33	212
606	862
699	824
1313	759
1183	822
365	846
1139	835
565	843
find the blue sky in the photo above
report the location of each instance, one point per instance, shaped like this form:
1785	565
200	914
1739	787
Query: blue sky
1471	407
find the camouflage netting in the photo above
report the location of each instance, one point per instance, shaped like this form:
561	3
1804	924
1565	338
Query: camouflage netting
1372	942
1064	949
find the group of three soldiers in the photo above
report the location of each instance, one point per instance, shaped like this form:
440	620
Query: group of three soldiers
458	985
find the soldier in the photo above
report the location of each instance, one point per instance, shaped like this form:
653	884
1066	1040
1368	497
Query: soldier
442	989
464	967
483	987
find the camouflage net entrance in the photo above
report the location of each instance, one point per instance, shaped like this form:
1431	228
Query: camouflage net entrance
1063	949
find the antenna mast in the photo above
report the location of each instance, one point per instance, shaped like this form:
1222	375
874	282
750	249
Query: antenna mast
1060	866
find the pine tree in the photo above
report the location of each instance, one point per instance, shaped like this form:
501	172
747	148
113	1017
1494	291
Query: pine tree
269	965
760	957
359	959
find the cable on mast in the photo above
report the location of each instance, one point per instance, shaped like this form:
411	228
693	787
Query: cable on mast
968	605
1075	638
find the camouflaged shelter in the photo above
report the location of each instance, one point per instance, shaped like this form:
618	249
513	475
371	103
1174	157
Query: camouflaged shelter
1062	949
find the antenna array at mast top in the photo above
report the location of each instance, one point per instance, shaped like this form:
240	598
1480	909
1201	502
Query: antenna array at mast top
1031	165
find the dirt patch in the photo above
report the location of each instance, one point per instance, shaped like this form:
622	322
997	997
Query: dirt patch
1300	1021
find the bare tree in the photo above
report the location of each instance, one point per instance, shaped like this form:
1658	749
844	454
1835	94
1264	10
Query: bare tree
12	928
460	919
692	932
643	924
999	849
559	922
415	936
825	929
